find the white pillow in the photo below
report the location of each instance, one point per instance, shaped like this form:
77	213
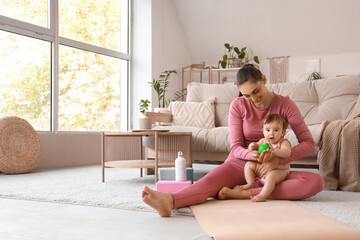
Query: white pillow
194	114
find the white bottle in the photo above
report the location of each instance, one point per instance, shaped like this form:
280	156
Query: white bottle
180	168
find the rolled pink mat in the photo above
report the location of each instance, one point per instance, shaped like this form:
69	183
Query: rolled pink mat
171	186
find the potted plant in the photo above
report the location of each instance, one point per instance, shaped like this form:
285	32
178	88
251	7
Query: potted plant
234	57
144	123
160	86
144	105
314	76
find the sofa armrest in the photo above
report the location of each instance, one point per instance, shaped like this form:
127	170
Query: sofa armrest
158	117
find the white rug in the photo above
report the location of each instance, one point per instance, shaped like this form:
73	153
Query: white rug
122	189
339	205
82	185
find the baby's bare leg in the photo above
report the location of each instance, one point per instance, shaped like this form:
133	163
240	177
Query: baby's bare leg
250	168
271	180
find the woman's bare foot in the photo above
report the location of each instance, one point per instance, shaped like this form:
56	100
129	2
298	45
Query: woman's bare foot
258	198
163	203
235	193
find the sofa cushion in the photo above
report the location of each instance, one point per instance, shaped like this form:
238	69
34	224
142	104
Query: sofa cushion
290	135
194	114
355	111
224	94
326	99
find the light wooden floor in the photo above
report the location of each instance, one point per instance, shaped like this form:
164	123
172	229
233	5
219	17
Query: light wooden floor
28	220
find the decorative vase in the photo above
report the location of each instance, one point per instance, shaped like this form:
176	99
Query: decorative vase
145	123
237	62
230	63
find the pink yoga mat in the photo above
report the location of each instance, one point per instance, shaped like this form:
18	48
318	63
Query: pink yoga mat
270	220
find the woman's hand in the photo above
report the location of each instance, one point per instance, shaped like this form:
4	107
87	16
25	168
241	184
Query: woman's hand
256	155
269	162
266	156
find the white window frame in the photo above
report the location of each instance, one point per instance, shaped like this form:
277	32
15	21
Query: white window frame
51	34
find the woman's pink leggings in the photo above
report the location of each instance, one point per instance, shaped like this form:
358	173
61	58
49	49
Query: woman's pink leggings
298	185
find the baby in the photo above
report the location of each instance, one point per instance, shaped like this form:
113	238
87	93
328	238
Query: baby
274	128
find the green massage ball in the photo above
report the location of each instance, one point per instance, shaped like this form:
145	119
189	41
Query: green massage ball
263	147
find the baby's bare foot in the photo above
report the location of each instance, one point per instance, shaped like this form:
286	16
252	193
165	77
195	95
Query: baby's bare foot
223	193
246	186
161	202
235	193
258	198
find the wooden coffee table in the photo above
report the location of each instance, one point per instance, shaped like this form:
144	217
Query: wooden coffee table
125	150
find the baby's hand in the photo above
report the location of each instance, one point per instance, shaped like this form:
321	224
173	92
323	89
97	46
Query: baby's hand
251	146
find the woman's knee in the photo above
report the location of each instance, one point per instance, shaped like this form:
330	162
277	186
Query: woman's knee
316	181
311	183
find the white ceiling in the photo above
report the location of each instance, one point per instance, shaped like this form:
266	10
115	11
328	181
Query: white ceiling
270	27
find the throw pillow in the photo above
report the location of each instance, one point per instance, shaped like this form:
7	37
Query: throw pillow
194	114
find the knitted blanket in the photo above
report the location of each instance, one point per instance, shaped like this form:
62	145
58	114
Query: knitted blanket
338	155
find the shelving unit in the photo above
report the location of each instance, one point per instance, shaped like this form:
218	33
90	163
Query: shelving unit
195	68
223	70
188	71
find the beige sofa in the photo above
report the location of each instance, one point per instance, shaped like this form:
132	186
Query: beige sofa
327	99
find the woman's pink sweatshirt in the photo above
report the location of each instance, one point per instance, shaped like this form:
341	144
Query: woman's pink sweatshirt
245	126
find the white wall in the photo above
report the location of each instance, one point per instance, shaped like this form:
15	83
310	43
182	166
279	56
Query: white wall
170	49
141	62
301	29
271	28
158	45
331	65
172	34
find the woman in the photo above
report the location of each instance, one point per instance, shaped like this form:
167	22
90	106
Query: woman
245	126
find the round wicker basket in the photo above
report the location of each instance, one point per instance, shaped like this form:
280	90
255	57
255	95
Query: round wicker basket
20	147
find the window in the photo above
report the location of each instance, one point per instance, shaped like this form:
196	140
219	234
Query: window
89	22
89	87
31	11
70	77
25	79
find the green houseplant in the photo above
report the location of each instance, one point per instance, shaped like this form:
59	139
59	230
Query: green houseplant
314	76
144	123
234	57
144	105
160	86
